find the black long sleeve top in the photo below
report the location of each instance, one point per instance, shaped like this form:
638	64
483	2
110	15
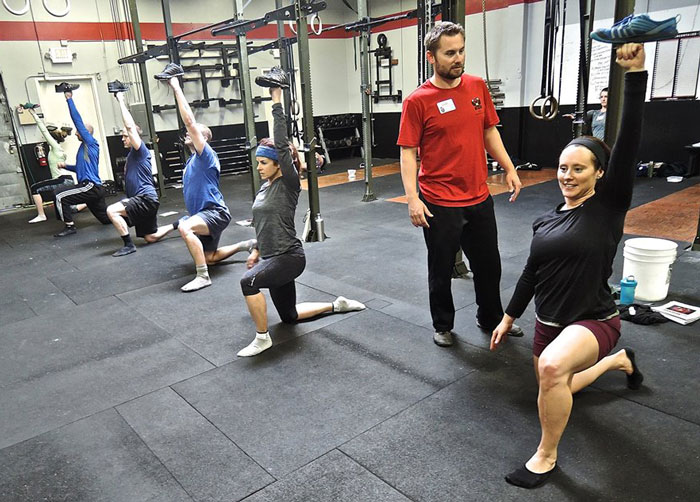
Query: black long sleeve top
572	251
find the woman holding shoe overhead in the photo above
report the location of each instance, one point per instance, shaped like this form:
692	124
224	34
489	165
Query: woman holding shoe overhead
570	261
278	256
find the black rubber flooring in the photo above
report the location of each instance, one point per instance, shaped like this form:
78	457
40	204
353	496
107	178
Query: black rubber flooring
116	386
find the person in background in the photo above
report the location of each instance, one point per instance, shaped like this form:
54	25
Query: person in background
43	191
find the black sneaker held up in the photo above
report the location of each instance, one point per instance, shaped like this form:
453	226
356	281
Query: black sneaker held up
275	77
170	71
66	87
117	86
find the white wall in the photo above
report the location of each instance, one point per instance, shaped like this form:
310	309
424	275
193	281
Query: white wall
514	36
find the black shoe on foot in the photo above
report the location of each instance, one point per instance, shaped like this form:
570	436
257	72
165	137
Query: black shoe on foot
634	380
276	77
444	338
67	230
170	71
515	330
124	251
525	478
66	87
117	86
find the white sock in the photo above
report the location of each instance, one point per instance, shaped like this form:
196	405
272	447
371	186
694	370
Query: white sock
38	218
342	304
198	282
261	343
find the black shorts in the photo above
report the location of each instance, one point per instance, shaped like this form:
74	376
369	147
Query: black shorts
142	213
217	219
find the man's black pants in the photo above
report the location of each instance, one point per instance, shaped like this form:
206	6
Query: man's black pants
473	228
84	192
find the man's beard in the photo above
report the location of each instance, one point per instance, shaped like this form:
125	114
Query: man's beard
449	73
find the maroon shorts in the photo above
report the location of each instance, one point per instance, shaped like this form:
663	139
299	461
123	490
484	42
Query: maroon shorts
606	332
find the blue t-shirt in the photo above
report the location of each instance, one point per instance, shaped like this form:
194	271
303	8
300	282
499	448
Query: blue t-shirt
201	181
87	160
138	178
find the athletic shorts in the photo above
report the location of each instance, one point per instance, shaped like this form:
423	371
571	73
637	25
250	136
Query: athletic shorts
217	219
142	213
606	332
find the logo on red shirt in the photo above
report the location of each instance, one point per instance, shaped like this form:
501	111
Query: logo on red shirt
476	103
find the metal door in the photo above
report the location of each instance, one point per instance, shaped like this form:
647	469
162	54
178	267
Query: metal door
13	190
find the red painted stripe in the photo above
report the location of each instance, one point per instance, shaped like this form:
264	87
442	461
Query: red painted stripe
42	30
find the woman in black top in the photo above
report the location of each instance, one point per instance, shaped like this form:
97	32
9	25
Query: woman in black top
278	257
570	261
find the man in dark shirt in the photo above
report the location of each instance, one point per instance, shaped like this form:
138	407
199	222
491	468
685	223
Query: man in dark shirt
140	208
89	189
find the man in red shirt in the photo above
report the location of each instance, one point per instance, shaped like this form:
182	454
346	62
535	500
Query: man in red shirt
450	121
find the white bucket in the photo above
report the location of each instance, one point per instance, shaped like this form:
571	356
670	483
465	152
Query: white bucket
649	261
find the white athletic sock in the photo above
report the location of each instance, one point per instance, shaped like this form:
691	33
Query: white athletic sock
342	304
261	343
198	282
202	271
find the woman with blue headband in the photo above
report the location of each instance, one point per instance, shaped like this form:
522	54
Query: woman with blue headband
278	257
570	261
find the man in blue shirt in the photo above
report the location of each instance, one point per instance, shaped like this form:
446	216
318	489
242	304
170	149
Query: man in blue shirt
89	189
208	214
140	208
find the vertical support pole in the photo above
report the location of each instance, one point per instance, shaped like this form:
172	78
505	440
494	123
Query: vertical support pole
284	64
365	91
247	99
453	11
172	48
586	15
316	233
616	80
136	25
425	22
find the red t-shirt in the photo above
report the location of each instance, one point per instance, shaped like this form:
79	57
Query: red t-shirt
447	126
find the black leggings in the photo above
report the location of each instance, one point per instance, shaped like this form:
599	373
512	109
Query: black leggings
46	188
277	274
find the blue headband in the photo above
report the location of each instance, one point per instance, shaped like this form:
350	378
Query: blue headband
267	151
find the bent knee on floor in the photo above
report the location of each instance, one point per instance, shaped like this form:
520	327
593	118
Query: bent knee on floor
289	317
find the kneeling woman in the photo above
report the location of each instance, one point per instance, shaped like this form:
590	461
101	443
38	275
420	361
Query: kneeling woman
570	261
278	258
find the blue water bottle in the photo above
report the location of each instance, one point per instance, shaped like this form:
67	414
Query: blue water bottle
627	285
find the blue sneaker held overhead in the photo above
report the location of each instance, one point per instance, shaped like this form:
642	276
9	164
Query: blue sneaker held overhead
638	29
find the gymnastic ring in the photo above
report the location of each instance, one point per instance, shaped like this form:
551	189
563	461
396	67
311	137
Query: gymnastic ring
547	100
291	27
553	108
20	12
65	11
320	24
295	109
